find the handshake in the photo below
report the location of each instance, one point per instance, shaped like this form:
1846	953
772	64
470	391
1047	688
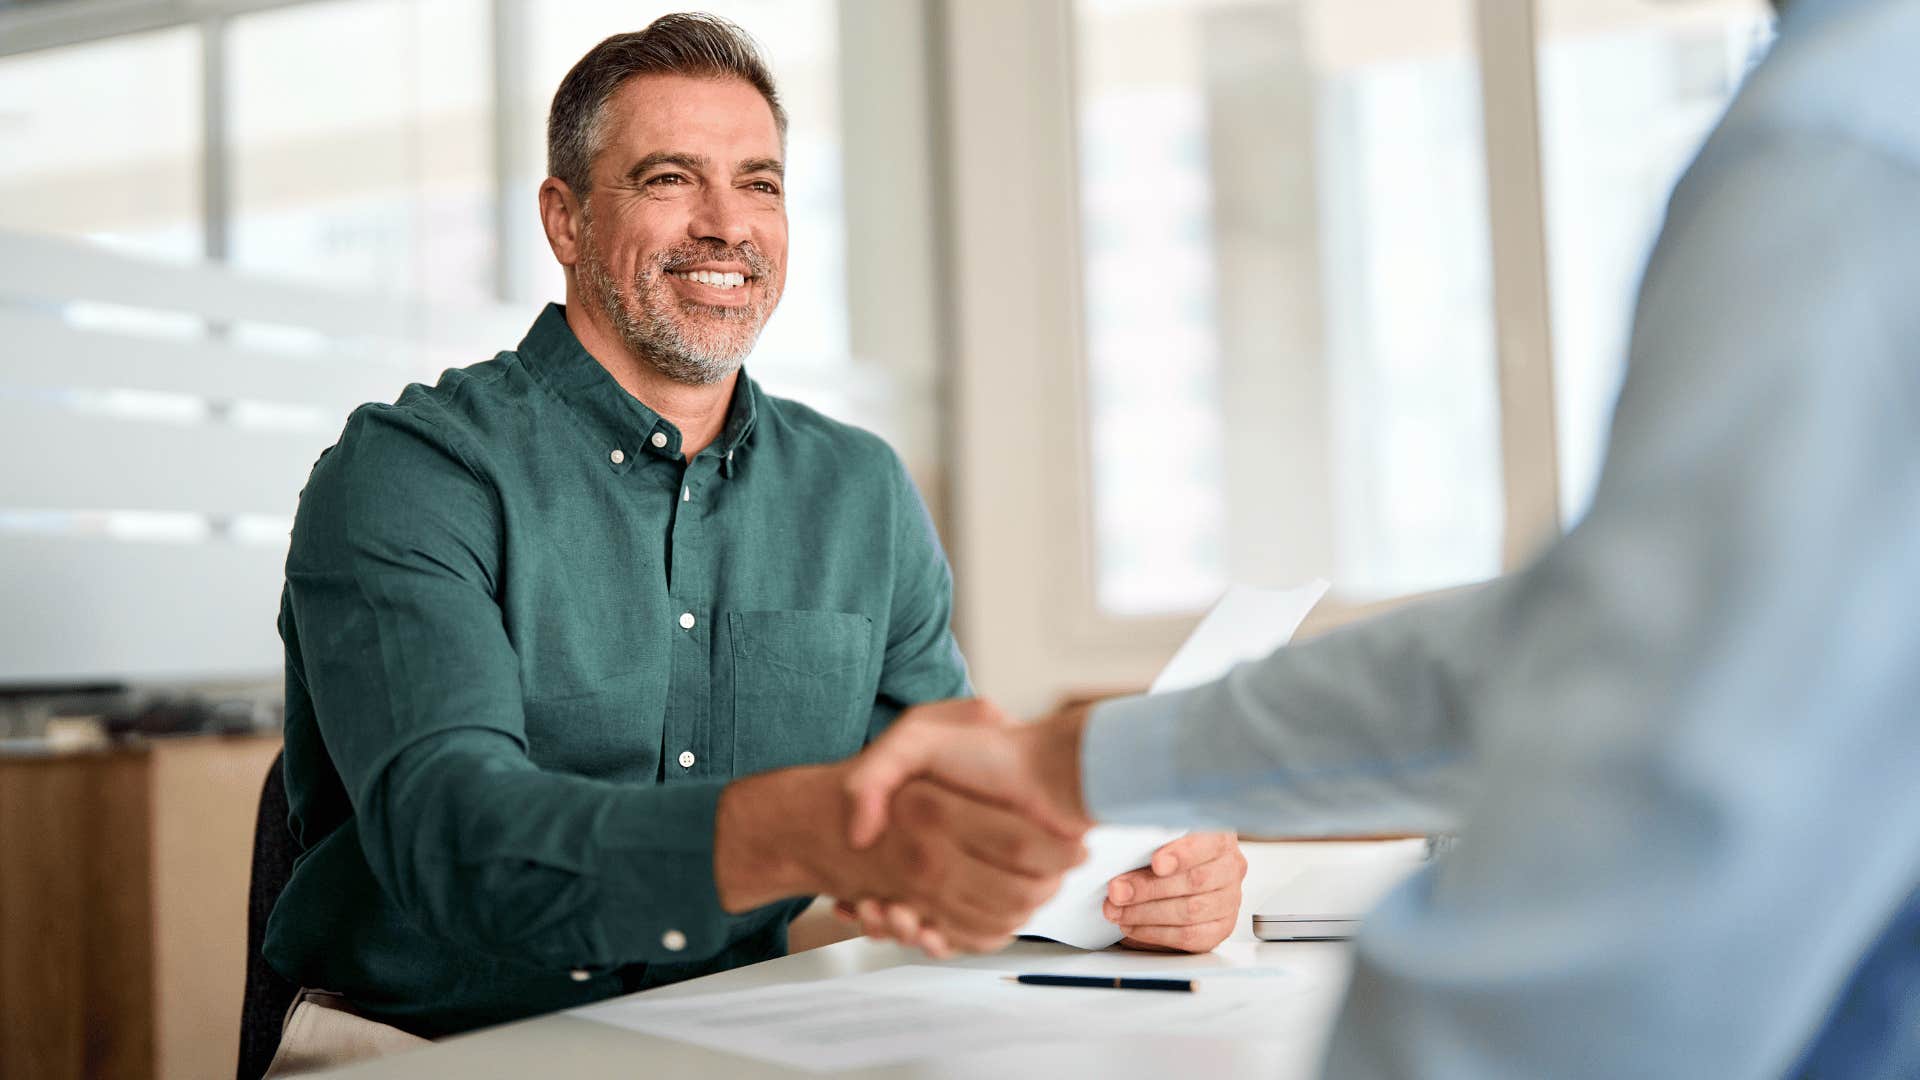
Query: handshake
950	830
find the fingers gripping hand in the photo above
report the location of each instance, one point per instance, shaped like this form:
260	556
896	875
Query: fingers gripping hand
957	741
954	873
972	746
1187	900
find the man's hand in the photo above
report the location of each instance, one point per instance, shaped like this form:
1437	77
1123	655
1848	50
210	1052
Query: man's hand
970	872
1187	900
970	745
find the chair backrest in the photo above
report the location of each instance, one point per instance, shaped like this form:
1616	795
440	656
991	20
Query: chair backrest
268	992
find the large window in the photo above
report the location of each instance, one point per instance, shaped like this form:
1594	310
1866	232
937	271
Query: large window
1288	322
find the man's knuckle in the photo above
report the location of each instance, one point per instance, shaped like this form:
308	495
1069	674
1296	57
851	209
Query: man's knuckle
922	858
1019	849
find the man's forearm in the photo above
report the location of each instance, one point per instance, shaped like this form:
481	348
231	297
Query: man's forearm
477	845
767	832
1352	733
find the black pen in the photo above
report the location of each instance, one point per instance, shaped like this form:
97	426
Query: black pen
1105	982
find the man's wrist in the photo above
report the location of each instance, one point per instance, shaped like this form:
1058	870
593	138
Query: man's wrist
765	832
1056	761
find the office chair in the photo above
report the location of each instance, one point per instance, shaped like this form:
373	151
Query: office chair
268	992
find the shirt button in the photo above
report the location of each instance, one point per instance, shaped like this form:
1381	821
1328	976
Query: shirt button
659	440
617	456
674	940
686	620
579	975
729	455
686	759
686	494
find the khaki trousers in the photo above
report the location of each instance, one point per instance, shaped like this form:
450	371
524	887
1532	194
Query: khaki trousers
323	1031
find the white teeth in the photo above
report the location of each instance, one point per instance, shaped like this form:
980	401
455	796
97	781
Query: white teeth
714	278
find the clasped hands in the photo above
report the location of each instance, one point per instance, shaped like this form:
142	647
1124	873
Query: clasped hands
949	831
964	763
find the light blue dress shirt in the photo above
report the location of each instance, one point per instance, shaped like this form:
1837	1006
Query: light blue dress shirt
1683	746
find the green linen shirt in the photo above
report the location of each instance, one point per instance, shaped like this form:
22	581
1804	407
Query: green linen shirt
528	643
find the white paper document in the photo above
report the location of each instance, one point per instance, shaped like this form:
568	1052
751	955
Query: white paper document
1247	623
918	1011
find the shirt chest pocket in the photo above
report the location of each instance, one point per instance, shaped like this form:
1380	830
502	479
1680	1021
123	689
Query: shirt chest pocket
801	689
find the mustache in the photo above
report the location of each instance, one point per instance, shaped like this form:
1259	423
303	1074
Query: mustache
683	255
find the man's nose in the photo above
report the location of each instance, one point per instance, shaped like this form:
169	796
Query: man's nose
720	215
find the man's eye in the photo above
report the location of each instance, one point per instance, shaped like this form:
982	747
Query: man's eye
764	186
666	179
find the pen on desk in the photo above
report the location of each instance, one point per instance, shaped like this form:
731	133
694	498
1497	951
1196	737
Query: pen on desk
1105	982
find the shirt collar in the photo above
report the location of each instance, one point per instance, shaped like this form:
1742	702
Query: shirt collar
557	359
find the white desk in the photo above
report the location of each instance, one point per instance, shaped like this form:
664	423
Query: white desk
1287	1047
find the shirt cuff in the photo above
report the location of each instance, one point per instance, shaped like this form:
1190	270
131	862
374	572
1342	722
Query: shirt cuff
659	878
1129	771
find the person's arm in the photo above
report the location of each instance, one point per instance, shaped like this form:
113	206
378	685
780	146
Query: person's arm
922	662
1356	732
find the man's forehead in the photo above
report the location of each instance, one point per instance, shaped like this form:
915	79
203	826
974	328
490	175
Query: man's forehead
721	117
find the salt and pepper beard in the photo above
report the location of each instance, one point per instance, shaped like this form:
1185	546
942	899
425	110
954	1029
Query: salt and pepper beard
654	324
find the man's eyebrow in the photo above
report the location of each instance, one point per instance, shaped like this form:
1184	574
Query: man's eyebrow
689	162
762	164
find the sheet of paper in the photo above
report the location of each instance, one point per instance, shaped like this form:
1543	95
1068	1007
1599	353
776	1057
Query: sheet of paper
821	1026
1246	624
922	1011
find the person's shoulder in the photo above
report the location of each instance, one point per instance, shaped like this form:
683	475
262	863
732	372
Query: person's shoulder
1836	76
817	438
426	435
462	397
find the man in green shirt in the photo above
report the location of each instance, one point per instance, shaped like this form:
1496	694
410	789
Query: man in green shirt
579	638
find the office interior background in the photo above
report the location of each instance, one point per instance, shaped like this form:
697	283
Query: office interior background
1153	296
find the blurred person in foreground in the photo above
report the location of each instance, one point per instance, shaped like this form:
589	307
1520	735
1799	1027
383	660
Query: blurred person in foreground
578	638
1682	747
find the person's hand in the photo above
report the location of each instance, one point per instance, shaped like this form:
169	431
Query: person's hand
1186	900
969	744
969	873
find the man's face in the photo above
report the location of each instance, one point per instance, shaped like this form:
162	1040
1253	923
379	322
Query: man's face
684	237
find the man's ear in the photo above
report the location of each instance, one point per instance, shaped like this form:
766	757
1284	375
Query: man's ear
560	214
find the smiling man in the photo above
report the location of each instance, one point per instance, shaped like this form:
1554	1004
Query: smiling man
578	639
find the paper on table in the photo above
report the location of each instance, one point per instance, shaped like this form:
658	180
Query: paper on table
902	1013
820	1026
1248	623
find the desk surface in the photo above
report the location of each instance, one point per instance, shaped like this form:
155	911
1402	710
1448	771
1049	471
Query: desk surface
566	1046
1287	1047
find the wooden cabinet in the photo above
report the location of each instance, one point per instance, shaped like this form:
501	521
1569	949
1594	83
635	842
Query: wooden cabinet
123	908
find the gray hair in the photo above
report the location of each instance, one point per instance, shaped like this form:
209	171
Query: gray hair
704	46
